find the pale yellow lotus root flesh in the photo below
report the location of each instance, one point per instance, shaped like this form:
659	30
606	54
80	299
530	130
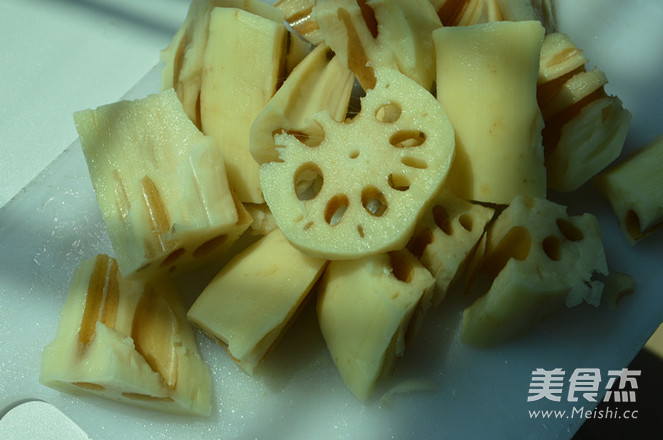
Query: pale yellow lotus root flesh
361	187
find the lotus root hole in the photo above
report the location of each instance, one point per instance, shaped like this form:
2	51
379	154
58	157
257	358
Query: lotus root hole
552	247
402	269
373	201
172	257
414	162
632	224
311	136
570	231
399	182
441	218
335	209
308	181
420	241
466	221
388	113
407	138
209	246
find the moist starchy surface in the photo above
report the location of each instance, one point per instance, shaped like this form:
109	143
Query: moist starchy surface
251	301
126	341
538	259
183	58
390	158
160	184
319	83
486	81
374	34
366	333
243	63
446	238
361	189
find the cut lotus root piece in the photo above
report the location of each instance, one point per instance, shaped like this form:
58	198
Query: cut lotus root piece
183	58
486	82
362	187
299	15
161	186
251	302
446	238
539	260
585	128
469	12
633	189
126	341
381	33
369	311
319	83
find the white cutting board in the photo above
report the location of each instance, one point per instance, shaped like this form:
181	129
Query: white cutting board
55	222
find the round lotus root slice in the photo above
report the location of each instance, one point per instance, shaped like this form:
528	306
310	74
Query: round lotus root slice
355	188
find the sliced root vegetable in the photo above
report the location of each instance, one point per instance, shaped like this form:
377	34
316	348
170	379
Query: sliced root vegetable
361	189
127	341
